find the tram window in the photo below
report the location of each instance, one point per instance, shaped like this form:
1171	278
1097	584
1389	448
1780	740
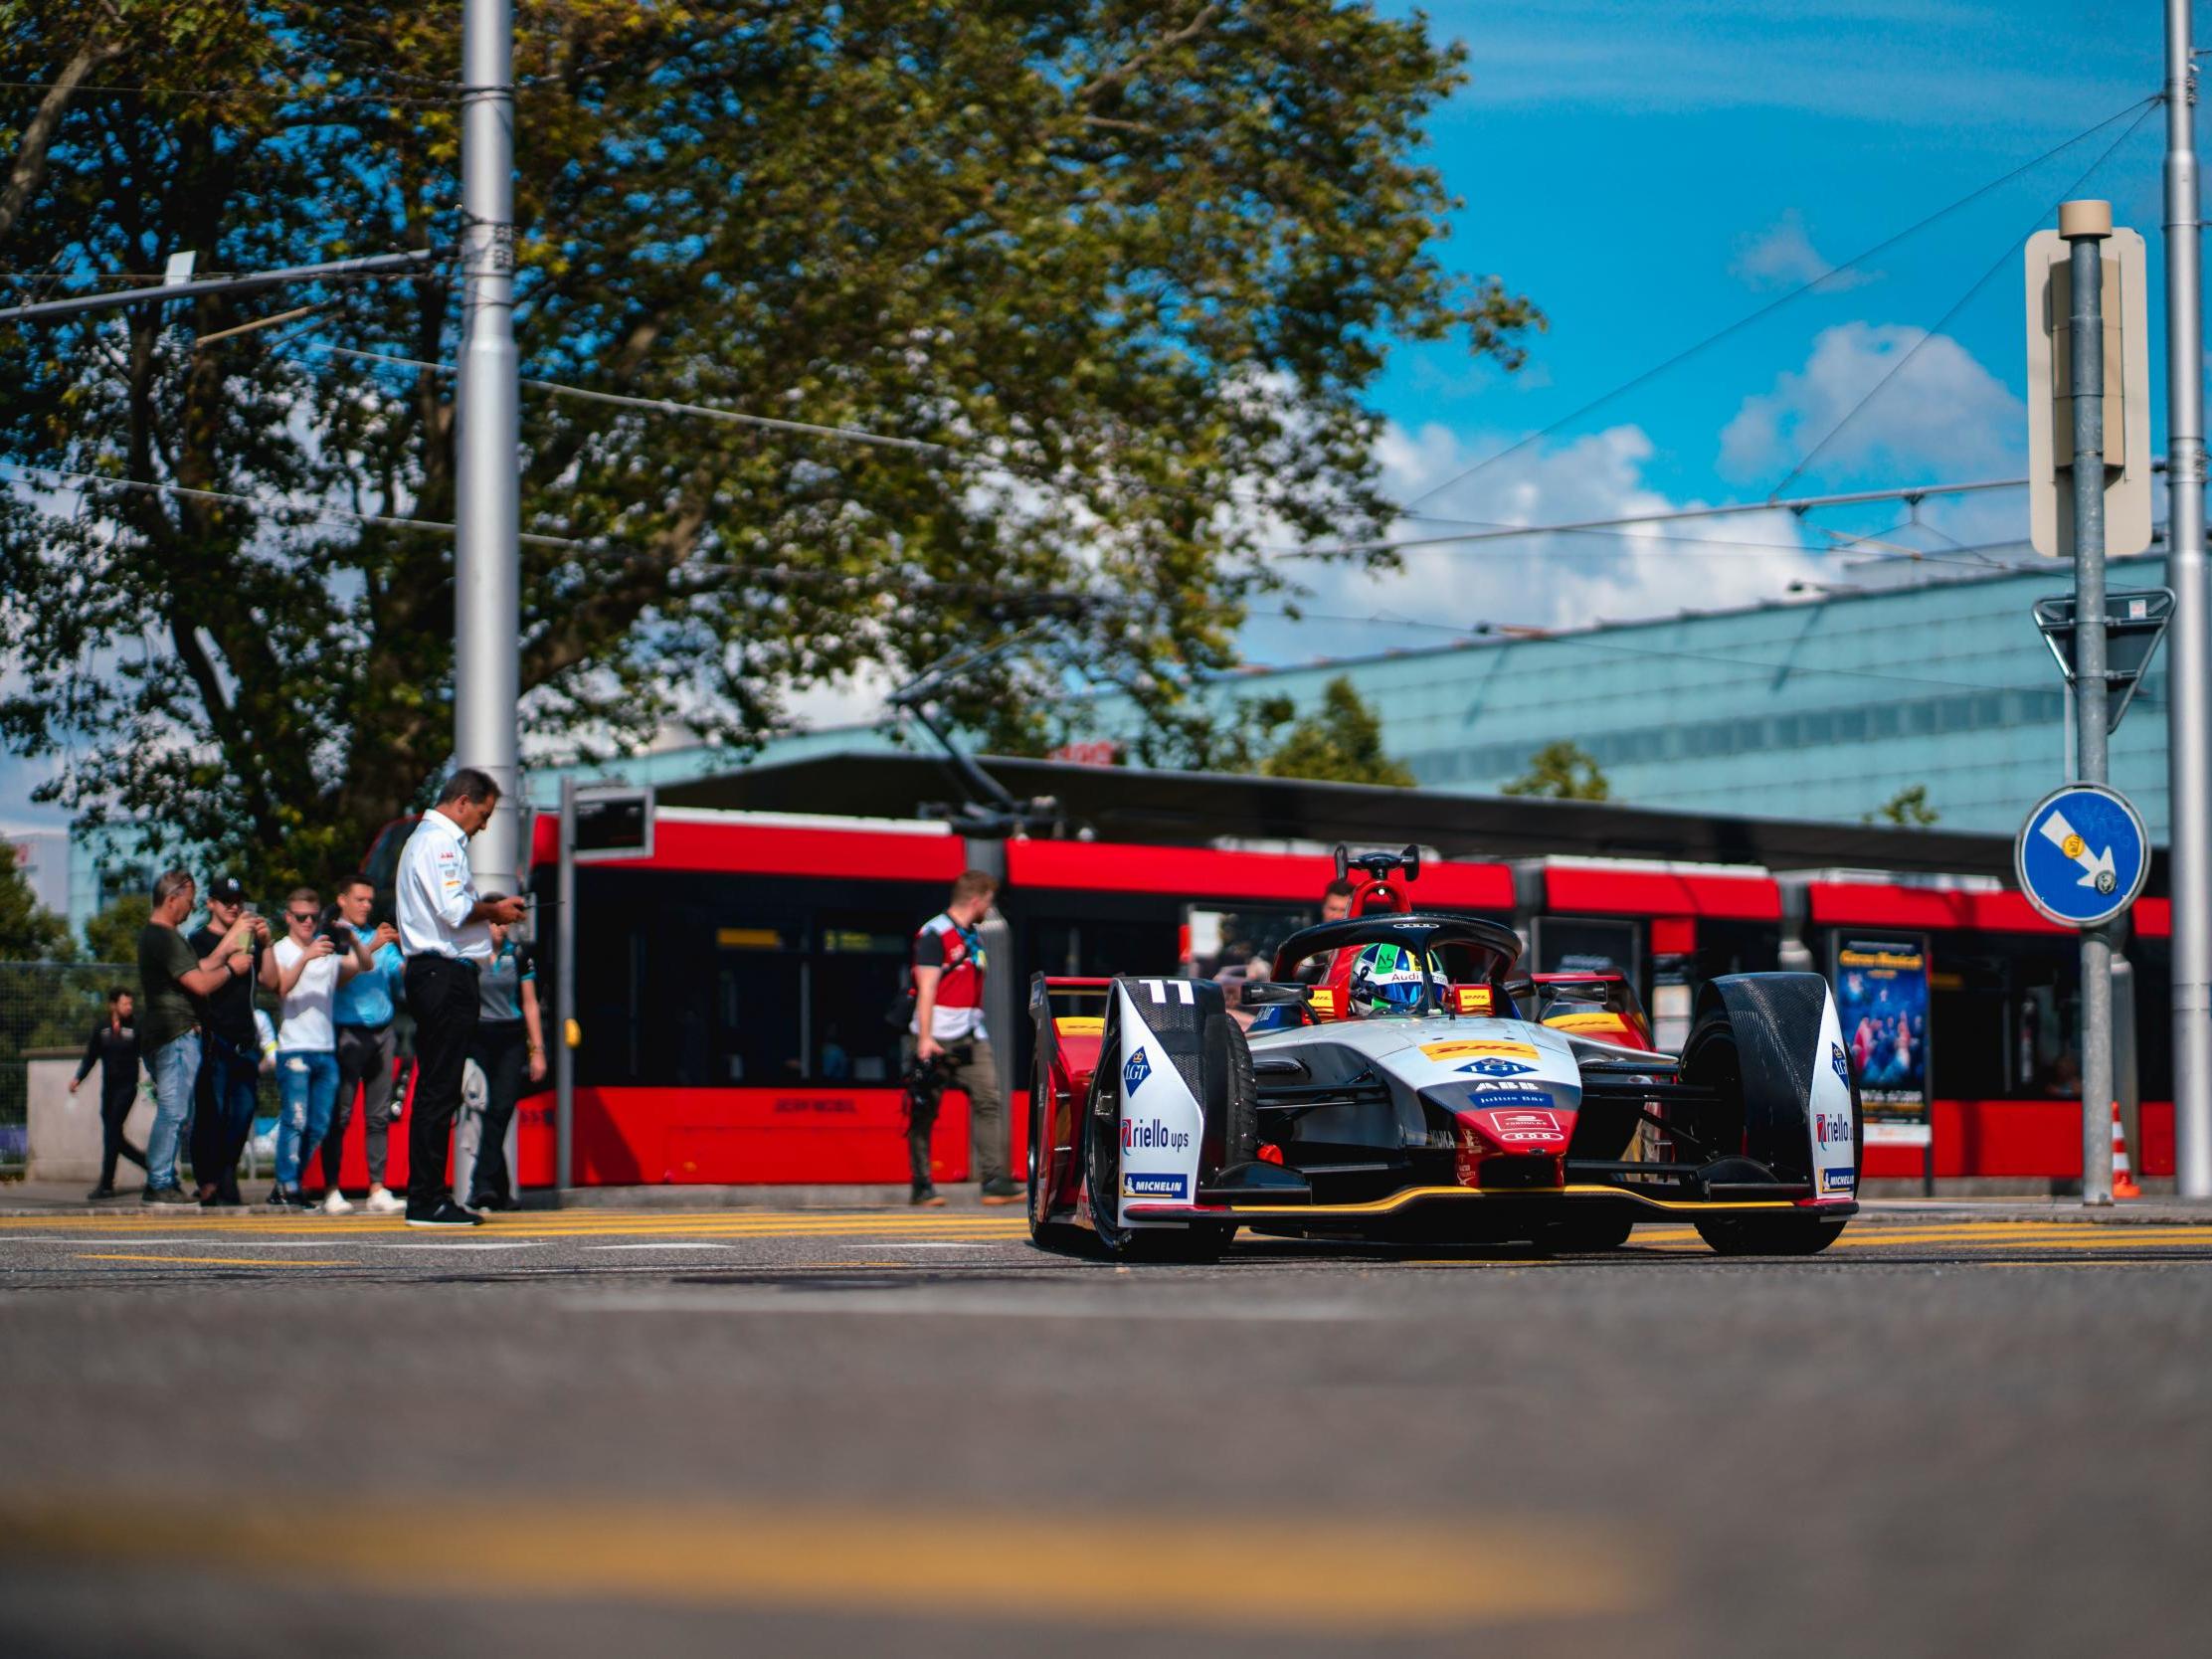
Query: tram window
856	972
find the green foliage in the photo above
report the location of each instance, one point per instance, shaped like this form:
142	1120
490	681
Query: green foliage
112	935
1339	742
29	932
1907	808
1561	771
1151	261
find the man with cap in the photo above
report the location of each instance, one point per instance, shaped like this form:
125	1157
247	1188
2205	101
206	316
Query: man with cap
230	1047
446	935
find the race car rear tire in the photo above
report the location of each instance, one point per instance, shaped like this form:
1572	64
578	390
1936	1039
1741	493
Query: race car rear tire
1769	1235
1045	1232
1588	1233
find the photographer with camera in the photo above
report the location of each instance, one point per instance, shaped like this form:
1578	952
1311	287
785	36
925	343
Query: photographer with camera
947	1046
318	954
230	1047
363	1012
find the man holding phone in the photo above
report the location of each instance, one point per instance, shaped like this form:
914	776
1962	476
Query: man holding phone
364	1011
304	971
230	1047
446	935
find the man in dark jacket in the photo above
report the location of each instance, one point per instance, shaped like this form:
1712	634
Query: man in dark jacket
115	1049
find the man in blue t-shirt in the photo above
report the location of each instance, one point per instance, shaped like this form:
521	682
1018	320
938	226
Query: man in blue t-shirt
363	1012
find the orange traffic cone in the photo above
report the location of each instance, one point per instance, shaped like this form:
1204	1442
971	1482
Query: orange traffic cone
2123	1178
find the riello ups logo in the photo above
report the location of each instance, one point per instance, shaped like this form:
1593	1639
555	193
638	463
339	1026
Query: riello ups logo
1152	1137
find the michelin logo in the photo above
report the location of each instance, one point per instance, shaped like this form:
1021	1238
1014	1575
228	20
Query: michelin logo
1136	1186
1835	1180
1135	1072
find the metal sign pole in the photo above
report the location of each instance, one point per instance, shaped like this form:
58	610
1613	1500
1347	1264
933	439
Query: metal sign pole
2085	226
2189	684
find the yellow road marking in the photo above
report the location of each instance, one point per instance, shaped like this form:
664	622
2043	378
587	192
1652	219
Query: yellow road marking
219	1262
1352	1577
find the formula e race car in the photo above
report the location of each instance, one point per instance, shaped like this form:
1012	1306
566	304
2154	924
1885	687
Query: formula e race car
1412	1089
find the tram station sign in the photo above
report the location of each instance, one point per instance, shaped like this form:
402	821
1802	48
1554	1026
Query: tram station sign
2082	855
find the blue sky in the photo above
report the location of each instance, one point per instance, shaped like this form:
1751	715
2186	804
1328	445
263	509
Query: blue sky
1650	172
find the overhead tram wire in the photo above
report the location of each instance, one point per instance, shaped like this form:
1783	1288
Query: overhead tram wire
2003	261
1615	530
1780	300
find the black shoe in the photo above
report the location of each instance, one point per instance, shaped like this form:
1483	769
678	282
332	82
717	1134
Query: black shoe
491	1201
99	1192
1000	1191
927	1197
445	1214
287	1198
166	1194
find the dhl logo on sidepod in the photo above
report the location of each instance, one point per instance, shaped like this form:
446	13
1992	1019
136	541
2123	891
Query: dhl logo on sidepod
1460	1048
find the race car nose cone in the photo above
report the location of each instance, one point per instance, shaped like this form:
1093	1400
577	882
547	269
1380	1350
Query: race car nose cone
1512	1134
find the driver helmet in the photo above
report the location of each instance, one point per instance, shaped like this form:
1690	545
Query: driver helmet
1387	978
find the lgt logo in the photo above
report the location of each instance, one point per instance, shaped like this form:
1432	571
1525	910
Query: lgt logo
1496	1068
1135	1072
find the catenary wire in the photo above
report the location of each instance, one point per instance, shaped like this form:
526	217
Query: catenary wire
1935	331
1778	303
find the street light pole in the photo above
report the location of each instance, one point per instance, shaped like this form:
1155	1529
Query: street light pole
486	558
2189	636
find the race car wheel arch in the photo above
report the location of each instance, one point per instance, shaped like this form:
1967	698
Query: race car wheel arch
1045	1181
1753	1040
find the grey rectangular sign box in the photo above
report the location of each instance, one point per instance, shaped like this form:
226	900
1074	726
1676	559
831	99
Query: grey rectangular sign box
2134	622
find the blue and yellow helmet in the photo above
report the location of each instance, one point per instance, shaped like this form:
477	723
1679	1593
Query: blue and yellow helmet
1387	978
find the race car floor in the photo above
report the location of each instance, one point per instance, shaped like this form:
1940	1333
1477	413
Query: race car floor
827	1433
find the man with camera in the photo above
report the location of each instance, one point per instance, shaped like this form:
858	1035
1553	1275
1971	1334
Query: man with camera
230	1047
947	1046
315	956
446	934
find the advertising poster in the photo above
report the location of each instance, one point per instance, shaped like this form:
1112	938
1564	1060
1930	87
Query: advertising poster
1882	1004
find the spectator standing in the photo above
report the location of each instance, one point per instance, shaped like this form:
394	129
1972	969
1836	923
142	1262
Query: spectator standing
510	1041
174	984
115	1049
363	1012
304	971
229	1049
948	1032
445	936
1336	901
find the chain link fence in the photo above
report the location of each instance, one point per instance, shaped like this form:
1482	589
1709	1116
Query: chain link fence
46	1007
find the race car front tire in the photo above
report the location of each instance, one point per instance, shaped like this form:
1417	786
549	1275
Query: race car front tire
1769	1235
1045	1232
1580	1234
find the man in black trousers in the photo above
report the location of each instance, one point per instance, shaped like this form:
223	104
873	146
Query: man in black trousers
115	1049
446	935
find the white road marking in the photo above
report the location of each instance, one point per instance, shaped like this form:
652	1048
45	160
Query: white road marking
459	1244
703	1245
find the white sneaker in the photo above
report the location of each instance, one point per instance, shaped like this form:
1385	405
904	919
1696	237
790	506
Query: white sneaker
336	1204
380	1202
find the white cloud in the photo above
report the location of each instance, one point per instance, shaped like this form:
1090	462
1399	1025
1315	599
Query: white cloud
1544	581
1782	257
1943	417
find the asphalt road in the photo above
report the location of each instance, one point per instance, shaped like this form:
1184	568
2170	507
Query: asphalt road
834	1433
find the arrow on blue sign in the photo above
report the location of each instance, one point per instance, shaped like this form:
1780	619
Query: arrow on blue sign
2082	855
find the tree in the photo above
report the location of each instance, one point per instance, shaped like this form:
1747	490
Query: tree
1113	285
29	932
1339	742
1561	771
1907	808
112	935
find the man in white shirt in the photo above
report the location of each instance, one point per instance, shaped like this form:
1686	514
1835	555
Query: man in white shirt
305	969
446	935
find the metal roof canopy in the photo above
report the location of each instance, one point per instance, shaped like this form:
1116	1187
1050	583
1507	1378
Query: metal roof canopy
1128	804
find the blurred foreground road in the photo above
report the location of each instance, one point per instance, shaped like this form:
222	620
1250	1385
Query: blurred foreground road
645	1432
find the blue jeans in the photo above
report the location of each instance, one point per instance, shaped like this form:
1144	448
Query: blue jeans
307	1082
176	1068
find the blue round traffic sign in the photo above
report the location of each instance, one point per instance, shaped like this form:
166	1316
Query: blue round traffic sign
2082	855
